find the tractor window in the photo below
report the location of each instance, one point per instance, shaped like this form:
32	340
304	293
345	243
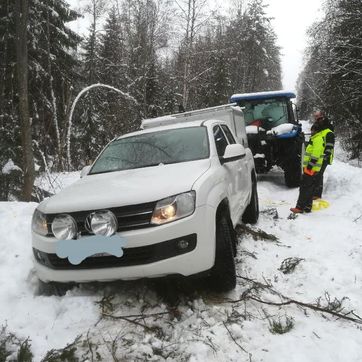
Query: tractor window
267	113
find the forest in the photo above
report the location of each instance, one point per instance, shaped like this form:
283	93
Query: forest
155	57
332	76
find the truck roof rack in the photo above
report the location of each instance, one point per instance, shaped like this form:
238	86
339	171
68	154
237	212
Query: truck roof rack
196	115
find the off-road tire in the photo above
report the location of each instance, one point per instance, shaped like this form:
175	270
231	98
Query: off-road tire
251	213
294	168
223	275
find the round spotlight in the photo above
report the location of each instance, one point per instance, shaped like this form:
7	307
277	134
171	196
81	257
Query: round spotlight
103	223
64	227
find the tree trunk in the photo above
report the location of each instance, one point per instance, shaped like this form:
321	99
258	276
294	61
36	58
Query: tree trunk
21	15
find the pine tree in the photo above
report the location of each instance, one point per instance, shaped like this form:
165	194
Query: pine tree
331	79
88	118
10	146
53	73
256	65
51	68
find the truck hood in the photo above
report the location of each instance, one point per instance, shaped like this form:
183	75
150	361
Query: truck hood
129	187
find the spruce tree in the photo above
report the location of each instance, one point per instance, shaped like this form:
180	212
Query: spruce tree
331	79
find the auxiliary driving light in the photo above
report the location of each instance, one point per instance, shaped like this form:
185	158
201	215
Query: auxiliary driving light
64	227
103	223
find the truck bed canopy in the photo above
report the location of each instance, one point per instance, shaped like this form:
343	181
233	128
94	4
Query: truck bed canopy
261	95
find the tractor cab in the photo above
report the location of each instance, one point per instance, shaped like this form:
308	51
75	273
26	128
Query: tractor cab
266	109
274	133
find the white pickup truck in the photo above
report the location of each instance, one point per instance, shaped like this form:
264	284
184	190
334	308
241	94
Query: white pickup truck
173	192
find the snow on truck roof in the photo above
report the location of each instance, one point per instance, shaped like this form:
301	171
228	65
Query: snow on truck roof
199	115
261	95
157	128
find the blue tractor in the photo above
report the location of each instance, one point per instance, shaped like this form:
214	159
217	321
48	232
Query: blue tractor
274	133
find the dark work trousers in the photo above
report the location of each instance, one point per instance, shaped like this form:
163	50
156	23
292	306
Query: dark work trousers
306	191
318	190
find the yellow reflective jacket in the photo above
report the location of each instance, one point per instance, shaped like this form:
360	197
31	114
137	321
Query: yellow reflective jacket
314	154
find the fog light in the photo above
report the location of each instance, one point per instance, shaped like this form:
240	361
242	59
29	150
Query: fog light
182	244
39	256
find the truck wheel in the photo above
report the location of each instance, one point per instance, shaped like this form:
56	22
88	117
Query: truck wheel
293	169
223	275
251	213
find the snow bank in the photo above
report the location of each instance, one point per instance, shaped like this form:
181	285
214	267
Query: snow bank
51	322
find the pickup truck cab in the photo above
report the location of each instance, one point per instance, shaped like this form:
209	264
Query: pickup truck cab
173	192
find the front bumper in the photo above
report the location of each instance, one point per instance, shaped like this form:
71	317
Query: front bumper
152	252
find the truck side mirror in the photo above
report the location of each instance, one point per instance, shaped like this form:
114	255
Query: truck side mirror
85	171
232	153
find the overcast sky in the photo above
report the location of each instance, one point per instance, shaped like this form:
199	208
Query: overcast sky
291	21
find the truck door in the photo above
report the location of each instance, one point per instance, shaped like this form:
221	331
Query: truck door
231	171
243	182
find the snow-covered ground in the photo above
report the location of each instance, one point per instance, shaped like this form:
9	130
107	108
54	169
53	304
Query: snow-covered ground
194	324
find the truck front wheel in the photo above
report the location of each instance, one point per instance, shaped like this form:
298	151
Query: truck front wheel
251	213
223	275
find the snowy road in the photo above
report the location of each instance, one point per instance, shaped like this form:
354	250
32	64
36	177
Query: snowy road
198	325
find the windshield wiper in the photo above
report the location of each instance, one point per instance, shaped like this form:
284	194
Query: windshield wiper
129	168
154	164
99	172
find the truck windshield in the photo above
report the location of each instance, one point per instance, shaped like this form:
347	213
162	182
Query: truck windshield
152	149
266	113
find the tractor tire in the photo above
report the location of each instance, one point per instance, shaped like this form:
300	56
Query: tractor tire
223	275
251	213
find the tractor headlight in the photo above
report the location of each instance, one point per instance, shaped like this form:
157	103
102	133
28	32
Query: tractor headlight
64	227
103	223
39	223
174	208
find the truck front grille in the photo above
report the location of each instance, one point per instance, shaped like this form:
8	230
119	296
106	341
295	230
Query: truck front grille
129	217
132	256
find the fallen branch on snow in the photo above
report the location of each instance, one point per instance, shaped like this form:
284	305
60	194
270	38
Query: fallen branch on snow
135	319
255	233
288	301
235	341
289	264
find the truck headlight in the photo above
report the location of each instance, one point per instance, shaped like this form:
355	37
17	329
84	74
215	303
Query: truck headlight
174	208
39	223
64	227
103	223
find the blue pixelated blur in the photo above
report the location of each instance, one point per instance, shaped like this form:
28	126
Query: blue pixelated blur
78	250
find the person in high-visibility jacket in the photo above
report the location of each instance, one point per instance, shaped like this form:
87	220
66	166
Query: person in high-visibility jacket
318	155
323	124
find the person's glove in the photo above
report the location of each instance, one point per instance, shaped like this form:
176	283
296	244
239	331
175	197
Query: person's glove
308	171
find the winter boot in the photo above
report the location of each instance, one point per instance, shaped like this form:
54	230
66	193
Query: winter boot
296	210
